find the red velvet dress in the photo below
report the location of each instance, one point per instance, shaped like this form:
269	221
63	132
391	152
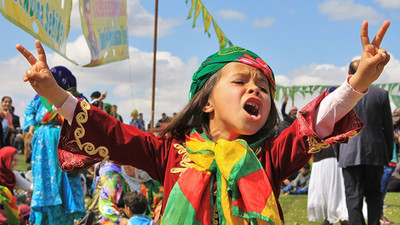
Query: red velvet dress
94	136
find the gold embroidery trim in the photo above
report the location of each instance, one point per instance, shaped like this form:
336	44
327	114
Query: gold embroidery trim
355	133
185	162
318	146
315	145
257	151
79	132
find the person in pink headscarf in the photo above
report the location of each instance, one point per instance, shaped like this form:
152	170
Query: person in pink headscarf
10	213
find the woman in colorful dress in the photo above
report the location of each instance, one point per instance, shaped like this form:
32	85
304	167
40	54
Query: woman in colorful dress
57	196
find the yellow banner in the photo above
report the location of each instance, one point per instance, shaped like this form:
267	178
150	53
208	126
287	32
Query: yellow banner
45	20
105	30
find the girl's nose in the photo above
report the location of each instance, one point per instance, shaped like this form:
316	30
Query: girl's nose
253	89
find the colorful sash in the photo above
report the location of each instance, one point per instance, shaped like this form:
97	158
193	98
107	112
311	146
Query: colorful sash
52	115
9	201
243	192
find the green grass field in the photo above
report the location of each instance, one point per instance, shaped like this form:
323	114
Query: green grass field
295	206
21	166
295	209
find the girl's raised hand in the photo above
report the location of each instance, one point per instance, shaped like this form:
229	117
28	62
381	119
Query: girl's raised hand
40	77
373	58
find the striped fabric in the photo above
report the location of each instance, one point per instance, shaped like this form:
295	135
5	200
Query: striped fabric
243	192
9	201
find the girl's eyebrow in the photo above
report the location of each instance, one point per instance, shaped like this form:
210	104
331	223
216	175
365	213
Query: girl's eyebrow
262	78
240	74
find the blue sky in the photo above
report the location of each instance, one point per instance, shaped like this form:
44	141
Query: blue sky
305	43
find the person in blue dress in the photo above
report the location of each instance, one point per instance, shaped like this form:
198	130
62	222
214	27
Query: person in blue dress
57	197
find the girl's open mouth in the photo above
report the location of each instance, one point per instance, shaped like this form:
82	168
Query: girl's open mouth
253	107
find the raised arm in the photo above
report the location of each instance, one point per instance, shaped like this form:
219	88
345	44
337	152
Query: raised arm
342	100
283	108
40	77
373	58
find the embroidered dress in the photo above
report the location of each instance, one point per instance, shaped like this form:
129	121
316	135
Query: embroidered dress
111	193
94	136
57	197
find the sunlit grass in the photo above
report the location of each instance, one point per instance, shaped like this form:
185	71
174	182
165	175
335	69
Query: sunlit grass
295	209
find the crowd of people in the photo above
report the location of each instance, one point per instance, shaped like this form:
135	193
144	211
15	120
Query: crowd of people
52	196
224	159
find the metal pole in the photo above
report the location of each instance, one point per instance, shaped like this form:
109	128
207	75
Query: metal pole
154	64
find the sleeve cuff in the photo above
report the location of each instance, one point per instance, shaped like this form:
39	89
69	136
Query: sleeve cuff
68	108
335	106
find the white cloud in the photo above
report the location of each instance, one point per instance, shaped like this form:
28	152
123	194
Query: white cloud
75	20
391	72
349	10
141	22
392	4
231	15
128	82
328	74
282	80
324	74
265	22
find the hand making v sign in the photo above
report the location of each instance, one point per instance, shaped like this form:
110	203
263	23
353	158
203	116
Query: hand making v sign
40	77
373	58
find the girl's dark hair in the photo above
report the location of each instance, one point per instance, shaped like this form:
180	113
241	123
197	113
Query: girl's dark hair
193	117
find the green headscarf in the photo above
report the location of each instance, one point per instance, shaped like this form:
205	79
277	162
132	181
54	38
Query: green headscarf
232	54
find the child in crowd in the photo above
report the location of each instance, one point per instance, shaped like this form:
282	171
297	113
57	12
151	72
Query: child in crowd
300	184
135	205
218	160
96	99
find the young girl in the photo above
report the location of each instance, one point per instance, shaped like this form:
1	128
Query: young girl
218	160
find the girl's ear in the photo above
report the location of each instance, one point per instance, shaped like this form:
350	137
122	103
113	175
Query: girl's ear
209	108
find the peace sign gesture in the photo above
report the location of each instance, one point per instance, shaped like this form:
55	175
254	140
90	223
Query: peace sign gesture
40	76
373	58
